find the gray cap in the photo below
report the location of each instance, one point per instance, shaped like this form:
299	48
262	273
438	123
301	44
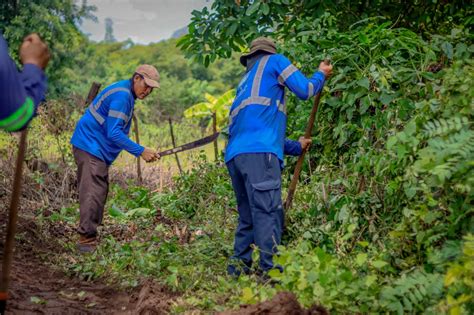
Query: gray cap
259	44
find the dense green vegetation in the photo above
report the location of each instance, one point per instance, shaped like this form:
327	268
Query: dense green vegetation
383	218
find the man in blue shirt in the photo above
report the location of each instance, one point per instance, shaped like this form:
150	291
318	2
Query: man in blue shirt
257	144
100	135
21	92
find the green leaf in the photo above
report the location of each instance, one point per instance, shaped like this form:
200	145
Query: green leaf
115	212
370	280
231	30
275	273
391	142
410	128
247	295
138	212
379	264
265	8
361	259
37	300
253	8
447	48
364	82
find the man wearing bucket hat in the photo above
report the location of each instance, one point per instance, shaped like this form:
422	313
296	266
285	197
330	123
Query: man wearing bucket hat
257	144
100	135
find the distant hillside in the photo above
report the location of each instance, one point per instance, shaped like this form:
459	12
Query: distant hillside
180	32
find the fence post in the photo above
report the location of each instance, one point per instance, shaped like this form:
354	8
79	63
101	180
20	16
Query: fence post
93	91
214	129
174	145
137	140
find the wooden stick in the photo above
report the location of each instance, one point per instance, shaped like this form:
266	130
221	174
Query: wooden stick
299	164
93	91
174	145
214	129
12	220
137	140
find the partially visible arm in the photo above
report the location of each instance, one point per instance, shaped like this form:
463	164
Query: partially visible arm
291	77
115	124
20	93
292	148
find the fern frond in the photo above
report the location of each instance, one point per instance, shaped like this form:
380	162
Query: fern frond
412	292
438	127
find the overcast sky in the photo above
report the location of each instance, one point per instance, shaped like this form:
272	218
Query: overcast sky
143	21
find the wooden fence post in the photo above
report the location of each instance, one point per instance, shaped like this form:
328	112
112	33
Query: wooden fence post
93	91
174	145
137	140
214	129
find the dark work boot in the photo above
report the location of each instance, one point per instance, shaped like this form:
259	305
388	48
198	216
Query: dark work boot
86	244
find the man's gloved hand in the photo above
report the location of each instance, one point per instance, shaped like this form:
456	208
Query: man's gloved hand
34	51
150	155
305	143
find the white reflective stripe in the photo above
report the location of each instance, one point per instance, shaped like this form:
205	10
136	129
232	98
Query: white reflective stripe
310	90
281	107
120	115
285	74
107	94
96	115
253	100
257	80
93	108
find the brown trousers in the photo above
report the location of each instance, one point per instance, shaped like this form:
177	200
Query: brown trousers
93	184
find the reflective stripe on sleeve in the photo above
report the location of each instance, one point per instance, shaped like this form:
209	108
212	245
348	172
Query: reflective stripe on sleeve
286	73
20	117
117	114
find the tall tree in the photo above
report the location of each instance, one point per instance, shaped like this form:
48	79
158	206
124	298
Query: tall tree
109	31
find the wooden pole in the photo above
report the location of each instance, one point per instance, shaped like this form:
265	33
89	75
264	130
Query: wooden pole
299	164
214	129
12	220
174	145
137	140
93	91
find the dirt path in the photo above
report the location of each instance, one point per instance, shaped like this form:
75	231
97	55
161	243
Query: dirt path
36	288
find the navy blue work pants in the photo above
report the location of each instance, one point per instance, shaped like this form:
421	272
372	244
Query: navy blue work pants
256	179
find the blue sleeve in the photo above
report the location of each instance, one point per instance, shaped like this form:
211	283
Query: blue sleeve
34	82
116	122
292	148
20	93
290	76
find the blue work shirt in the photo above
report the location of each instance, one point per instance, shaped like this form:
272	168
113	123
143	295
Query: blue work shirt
103	130
20	92
258	114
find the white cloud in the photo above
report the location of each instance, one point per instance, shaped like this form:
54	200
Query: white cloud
143	21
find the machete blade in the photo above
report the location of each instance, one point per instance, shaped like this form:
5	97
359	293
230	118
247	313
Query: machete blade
190	145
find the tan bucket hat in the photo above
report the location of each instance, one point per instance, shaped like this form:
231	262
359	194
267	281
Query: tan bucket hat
259	44
150	74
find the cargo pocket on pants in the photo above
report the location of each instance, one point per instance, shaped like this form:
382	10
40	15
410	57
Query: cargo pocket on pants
266	195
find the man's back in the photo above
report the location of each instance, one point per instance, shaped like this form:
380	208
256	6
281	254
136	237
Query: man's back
258	114
111	109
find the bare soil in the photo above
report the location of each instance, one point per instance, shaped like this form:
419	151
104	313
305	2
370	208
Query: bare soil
284	303
36	287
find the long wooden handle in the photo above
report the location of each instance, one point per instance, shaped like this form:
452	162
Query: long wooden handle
93	91
12	219
299	164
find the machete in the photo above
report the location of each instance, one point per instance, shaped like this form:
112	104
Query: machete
190	145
